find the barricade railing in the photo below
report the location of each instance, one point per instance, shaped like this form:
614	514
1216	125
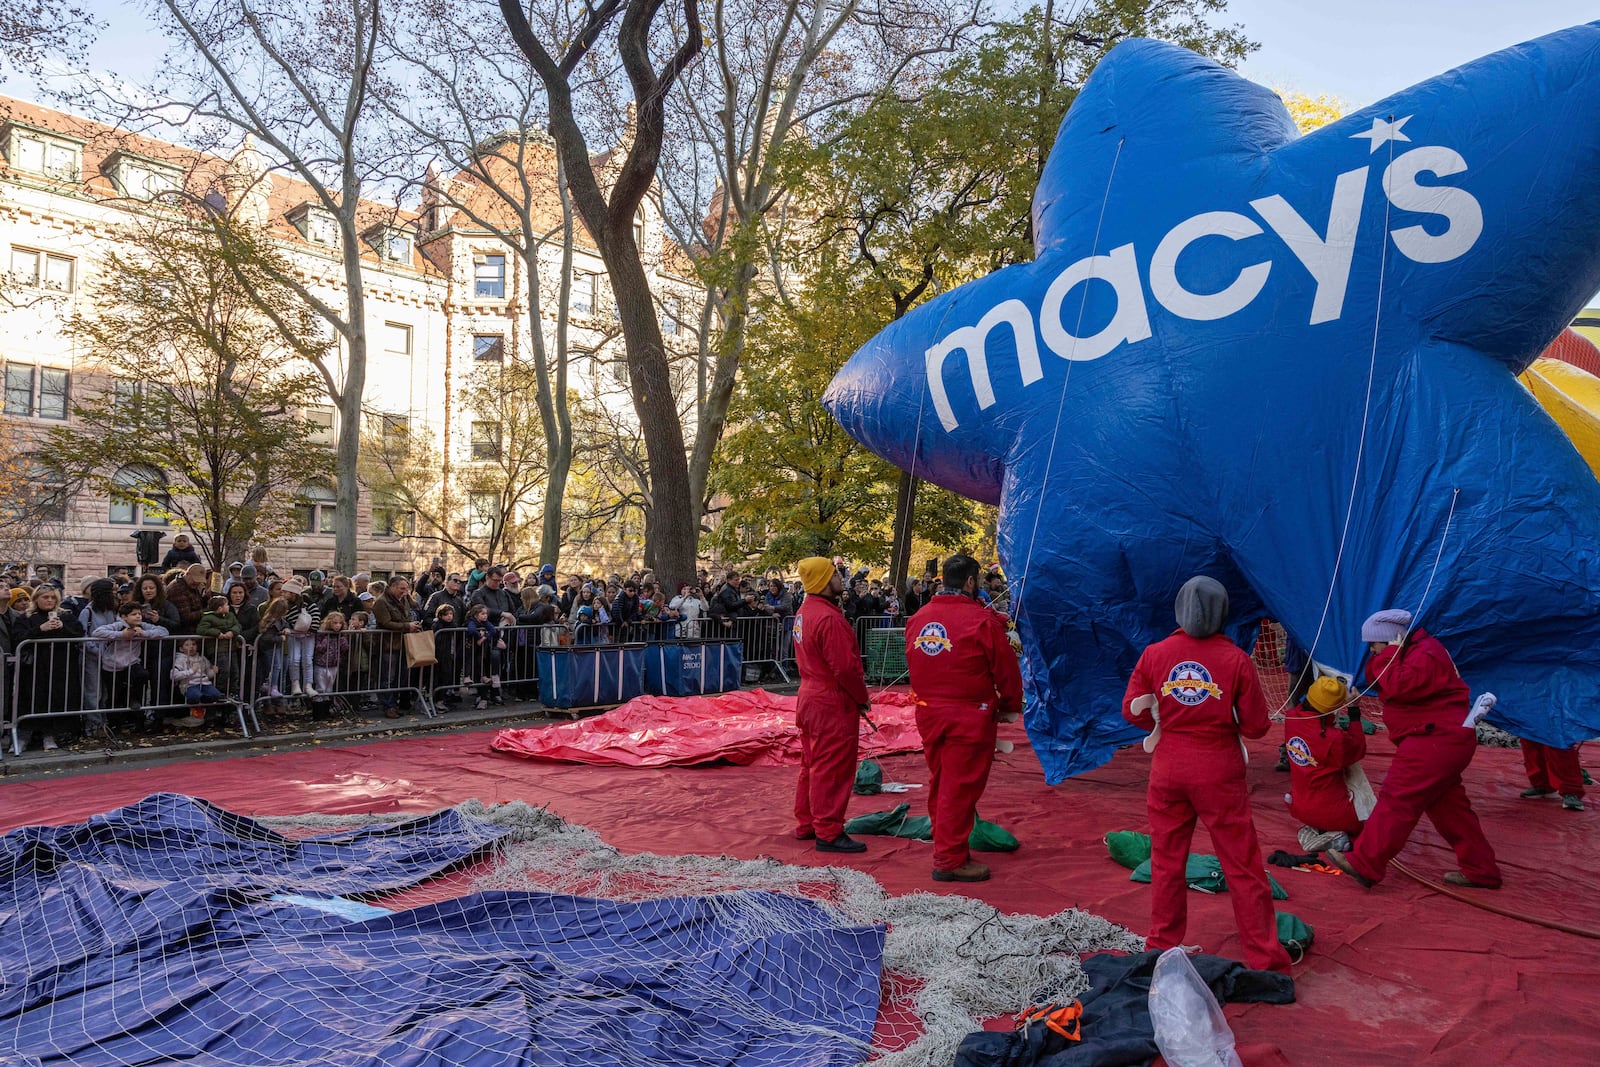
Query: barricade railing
640	632
349	666
762	636
88	678
865	623
467	666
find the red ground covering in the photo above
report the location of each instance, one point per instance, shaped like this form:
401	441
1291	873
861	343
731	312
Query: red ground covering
1399	975
750	727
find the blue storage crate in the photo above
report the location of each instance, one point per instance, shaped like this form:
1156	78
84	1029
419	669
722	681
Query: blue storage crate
586	676
688	668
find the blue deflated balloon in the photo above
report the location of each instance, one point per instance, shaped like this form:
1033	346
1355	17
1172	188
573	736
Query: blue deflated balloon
1287	362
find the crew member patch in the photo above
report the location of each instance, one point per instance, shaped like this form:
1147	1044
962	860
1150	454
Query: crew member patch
795	630
1300	752
1190	683
933	639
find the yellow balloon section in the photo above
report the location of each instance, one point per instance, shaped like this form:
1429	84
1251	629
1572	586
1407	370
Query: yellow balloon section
1572	397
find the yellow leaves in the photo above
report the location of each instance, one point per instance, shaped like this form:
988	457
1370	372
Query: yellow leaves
1312	112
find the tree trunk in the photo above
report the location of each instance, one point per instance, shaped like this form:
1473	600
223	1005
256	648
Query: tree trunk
713	414
672	517
347	487
905	506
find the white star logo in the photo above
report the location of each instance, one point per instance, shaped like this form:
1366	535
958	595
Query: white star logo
1383	131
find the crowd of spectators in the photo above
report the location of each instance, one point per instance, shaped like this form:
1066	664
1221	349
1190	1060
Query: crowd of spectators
302	640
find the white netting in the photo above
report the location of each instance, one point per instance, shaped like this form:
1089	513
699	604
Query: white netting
948	961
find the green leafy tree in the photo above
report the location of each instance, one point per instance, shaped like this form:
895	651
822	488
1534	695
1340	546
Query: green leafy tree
926	192
796	483
487	503
198	412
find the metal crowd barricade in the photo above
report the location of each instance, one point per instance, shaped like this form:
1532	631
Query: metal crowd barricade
356	665
762	638
67	677
460	658
867	623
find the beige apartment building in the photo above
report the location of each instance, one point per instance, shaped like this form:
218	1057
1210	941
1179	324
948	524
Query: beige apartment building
444	298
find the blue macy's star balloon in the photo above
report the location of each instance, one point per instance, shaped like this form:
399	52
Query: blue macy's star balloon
1287	362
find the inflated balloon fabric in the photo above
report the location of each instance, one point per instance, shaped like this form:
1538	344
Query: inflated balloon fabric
1285	362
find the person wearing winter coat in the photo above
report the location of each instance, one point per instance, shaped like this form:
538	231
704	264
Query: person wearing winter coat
195	677
49	682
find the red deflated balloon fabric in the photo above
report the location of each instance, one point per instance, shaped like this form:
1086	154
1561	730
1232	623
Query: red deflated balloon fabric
750	728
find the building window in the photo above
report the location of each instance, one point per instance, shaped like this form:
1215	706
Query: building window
314	509
583	293
139	177
320	421
42	270
36	391
32	151
143	503
671	316
315	223
42	493
397	339
391	243
619	371
638	230
491	346
489	276
485	440
483	515
395	429
391	518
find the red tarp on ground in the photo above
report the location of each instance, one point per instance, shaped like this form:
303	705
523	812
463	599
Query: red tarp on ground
1399	975
751	728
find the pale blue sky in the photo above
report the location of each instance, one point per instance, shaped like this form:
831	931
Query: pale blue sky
1363	50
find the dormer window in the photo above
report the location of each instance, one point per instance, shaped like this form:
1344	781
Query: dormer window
40	151
141	177
391	243
315	223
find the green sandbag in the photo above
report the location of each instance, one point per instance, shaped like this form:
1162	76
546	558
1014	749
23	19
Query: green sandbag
1129	848
985	836
1203	872
1294	934
869	779
895	823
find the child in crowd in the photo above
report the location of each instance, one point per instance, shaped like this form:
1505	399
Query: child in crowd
330	647
475	577
484	648
447	651
122	650
194	675
270	647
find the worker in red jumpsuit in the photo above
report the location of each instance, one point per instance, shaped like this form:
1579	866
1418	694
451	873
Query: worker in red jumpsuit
1551	771
1198	693
833	696
965	677
1425	707
1322	737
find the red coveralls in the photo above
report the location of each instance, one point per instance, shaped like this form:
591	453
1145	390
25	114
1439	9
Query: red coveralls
1552	768
1197	770
964	673
833	687
1318	754
1424	704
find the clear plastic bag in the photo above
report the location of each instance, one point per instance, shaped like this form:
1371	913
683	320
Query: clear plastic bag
1190	1028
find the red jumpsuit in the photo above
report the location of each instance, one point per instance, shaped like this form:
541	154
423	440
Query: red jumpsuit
1208	696
1318	754
833	688
1424	705
1552	768
964	673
